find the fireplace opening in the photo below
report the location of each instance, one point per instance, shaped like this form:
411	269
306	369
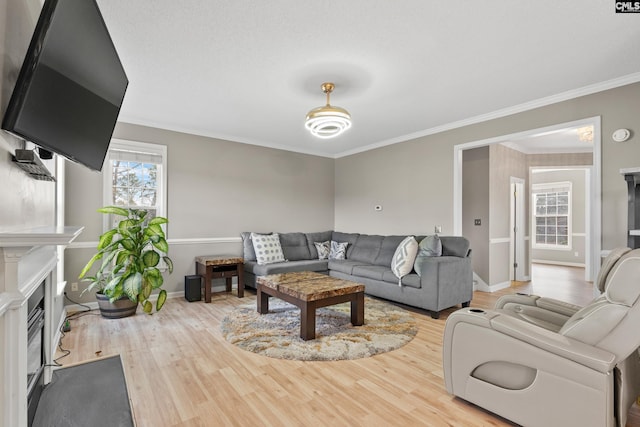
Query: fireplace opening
35	350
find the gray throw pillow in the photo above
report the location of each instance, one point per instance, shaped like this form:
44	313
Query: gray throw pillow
430	246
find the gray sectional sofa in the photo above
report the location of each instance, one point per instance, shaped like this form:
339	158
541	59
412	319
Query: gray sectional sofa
445	281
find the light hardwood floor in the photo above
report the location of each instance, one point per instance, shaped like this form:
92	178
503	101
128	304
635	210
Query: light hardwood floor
181	372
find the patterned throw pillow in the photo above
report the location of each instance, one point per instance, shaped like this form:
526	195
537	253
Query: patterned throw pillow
403	258
338	250
323	249
267	247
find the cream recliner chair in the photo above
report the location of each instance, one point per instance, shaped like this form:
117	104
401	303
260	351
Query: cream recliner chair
541	362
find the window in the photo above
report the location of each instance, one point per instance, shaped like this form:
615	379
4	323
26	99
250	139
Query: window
135	177
552	215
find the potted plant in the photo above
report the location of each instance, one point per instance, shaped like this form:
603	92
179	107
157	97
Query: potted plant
130	254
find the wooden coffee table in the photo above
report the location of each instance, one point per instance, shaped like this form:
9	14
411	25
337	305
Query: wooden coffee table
309	291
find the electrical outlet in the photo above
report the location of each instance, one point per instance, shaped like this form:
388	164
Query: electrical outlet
74	287
477	221
437	229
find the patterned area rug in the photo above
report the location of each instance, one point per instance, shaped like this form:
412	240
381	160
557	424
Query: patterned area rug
277	333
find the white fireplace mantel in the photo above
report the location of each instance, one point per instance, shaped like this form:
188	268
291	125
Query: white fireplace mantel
28	257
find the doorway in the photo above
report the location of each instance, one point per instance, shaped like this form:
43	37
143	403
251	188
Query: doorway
593	233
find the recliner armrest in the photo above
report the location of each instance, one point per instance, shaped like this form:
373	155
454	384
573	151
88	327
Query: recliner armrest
550	304
568	348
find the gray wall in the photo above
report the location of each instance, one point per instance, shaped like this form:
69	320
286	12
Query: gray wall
216	189
475	205
577	179
412	181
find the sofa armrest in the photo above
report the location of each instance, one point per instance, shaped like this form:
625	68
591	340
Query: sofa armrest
446	280
552	342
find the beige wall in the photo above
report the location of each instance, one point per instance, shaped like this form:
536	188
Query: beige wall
505	163
475	205
216	189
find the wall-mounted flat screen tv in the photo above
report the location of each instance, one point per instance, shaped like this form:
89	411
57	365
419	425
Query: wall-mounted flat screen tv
71	85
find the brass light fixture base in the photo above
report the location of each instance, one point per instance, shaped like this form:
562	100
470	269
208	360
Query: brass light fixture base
328	121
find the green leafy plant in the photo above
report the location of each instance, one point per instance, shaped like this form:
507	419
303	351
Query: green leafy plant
130	254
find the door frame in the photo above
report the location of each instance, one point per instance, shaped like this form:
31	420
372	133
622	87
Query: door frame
517	231
595	227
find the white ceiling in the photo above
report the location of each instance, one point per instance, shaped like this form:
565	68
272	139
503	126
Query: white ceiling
249	71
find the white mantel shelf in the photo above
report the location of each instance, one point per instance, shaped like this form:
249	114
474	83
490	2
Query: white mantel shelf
39	236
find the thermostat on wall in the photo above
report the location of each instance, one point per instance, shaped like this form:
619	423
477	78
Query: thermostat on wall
621	135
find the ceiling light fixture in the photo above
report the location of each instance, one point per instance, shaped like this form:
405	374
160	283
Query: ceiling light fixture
585	134
328	121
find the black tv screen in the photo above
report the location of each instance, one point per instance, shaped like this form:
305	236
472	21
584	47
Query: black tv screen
71	85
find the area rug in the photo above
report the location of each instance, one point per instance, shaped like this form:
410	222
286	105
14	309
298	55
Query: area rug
277	333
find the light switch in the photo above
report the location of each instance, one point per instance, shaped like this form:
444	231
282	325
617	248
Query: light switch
477	221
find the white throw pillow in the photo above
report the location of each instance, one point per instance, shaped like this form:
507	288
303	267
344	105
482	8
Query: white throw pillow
403	258
338	250
267	247
323	249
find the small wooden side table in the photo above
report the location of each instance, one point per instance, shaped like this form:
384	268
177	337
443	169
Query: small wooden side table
220	266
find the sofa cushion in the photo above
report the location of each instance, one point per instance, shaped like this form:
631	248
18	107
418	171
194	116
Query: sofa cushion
366	248
403	258
345	237
455	246
285	267
267	248
430	246
338	250
374	272
322	236
323	249
388	248
294	246
344	266
411	280
249	254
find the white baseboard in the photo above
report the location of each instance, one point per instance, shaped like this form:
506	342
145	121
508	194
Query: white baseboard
482	286
498	286
73	308
566	264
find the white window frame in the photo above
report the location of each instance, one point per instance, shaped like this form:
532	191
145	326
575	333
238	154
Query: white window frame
161	177
552	187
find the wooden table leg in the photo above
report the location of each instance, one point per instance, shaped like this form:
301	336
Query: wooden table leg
262	301
308	320
207	284
228	284
357	309
240	281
